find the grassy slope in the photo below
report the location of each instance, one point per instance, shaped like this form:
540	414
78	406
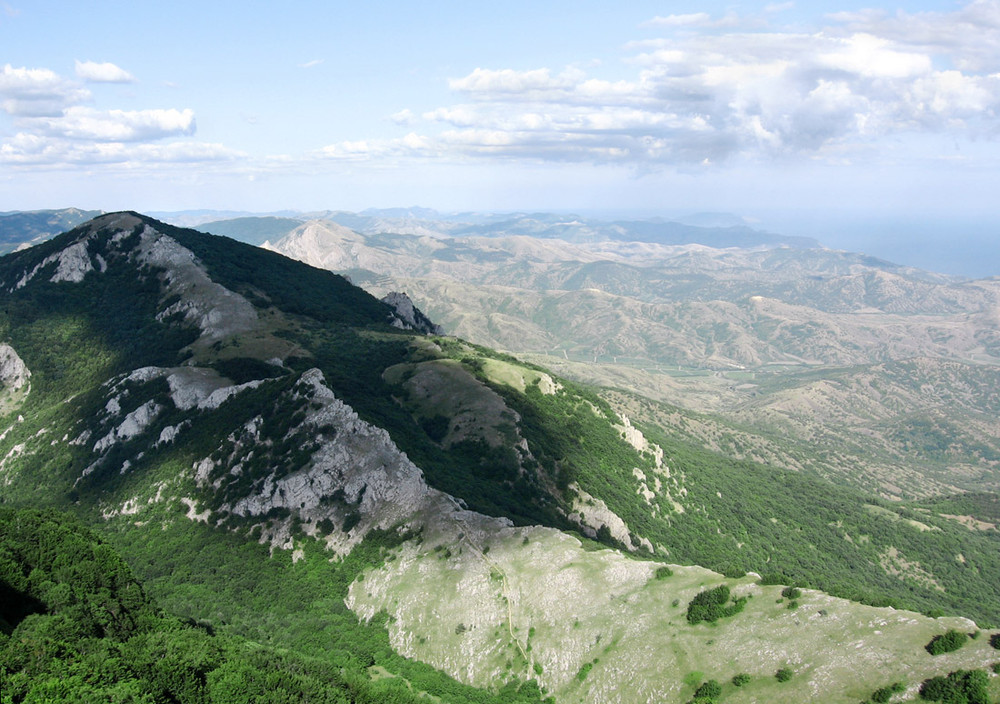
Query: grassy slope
595	626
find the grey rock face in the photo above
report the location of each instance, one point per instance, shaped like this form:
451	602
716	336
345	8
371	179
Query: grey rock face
13	372
408	316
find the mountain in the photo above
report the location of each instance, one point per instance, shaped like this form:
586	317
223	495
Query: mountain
278	458
653	304
765	337
20	229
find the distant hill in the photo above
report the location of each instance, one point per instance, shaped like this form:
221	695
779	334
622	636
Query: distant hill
25	228
252	230
653	303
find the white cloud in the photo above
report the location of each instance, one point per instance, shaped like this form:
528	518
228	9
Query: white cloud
53	130
485	82
37	91
875	57
82	123
403	117
370	149
28	150
693	19
102	72
712	92
310	64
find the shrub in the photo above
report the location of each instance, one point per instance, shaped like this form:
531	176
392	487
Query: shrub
784	674
995	640
791	592
967	686
663	572
710	605
884	694
709	690
741	679
947	642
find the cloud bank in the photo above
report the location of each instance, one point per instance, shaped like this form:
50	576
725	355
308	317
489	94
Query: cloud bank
714	89
54	127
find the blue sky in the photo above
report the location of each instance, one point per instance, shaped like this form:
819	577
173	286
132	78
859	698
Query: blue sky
786	112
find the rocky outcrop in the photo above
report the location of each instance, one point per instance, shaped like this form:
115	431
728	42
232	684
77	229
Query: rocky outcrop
217	311
13	372
356	477
408	317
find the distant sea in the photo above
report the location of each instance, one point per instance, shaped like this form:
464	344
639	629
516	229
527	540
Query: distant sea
962	246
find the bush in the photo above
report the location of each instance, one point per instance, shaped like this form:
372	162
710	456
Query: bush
884	694
709	690
995	640
791	592
710	605
741	679
961	687
784	674
947	642
663	572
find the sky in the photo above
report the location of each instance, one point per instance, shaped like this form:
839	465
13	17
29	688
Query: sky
870	126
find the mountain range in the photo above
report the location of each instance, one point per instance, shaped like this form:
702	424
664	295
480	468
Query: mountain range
286	460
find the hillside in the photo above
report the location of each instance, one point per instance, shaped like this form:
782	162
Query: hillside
864	363
267	447
652	304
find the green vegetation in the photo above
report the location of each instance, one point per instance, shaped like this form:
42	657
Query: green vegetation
75	625
947	642
784	674
238	605
797	528
791	592
711	605
995	640
741	679
709	691
884	694
959	687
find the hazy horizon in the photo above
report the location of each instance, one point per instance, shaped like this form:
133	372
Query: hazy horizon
845	126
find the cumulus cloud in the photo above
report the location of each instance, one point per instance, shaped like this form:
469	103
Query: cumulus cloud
367	149
52	129
102	72
715	88
403	117
31	150
119	125
35	92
